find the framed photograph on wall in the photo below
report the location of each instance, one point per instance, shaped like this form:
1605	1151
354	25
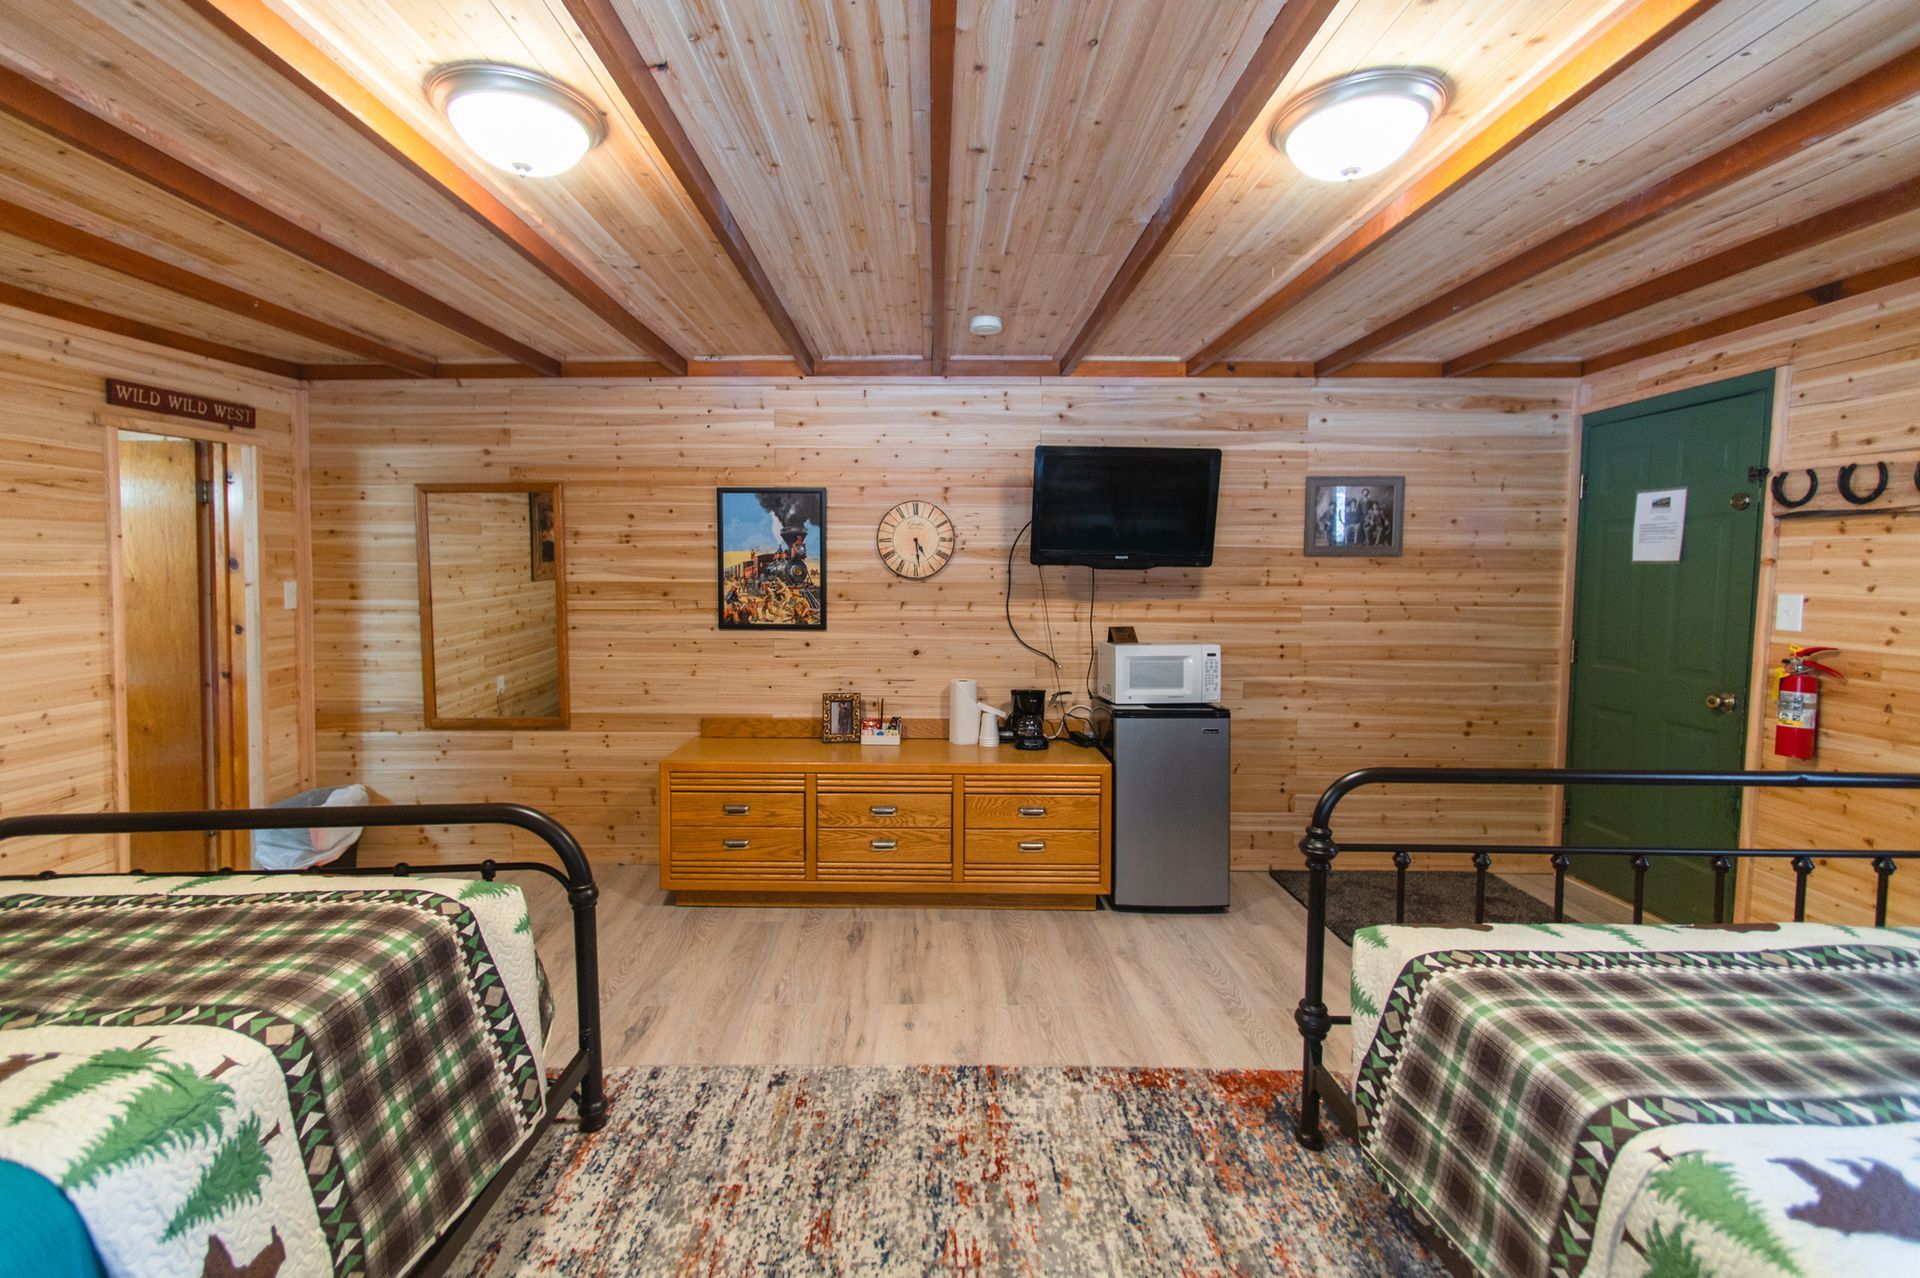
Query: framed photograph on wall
772	558
540	525
1355	514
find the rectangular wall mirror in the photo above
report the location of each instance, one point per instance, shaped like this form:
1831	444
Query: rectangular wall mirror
493	610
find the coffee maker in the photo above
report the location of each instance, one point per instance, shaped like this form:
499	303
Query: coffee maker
1029	719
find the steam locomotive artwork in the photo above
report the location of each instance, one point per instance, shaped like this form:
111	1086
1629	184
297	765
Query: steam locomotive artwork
773	558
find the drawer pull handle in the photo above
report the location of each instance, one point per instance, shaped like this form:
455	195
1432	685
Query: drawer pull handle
736	845
735	809
883	809
1033	812
885	845
1034	845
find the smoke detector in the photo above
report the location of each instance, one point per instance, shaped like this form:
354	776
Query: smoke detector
984	325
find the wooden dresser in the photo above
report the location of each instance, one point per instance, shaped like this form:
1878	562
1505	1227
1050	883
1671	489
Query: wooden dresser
758	821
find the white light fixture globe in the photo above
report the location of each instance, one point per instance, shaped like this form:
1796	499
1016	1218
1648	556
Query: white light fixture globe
1359	124
984	325
517	120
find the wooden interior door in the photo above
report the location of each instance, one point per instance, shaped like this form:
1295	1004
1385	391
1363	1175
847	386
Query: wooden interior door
166	629
1663	649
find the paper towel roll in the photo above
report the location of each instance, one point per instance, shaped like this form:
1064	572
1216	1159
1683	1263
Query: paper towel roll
963	712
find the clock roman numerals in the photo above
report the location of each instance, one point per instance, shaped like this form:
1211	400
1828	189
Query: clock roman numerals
915	539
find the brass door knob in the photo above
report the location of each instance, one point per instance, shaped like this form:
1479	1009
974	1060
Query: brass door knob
1723	702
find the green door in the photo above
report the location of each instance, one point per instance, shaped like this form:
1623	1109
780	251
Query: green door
1660	643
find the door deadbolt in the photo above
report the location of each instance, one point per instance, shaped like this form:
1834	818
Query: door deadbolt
1723	702
1740	501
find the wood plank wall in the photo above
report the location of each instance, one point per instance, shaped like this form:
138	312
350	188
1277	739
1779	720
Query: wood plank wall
491	619
1852	393
1448	655
56	721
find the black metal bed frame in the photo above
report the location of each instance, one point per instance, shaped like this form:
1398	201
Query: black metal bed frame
1320	848
581	1080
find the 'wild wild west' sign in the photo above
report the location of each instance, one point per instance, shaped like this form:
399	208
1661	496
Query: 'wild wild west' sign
173	403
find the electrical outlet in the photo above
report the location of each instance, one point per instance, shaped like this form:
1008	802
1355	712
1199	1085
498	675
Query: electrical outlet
1789	613
500	685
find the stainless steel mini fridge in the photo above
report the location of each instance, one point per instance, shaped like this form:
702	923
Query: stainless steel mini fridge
1171	767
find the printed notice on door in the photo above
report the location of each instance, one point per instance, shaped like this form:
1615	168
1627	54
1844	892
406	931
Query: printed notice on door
1659	523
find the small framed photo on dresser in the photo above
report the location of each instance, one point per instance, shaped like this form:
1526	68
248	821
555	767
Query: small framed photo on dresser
840	718
1356	515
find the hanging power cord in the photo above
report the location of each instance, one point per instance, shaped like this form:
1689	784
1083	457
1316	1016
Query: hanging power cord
1015	630
1082	708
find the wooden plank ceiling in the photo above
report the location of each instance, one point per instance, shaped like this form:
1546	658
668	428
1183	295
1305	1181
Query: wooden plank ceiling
832	187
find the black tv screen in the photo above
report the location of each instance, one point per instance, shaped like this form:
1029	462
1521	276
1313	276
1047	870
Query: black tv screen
1124	507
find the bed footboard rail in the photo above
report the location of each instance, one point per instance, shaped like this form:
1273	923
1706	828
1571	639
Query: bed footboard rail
575	873
1319	847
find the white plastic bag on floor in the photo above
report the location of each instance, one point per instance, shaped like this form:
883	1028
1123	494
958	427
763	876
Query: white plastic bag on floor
302	849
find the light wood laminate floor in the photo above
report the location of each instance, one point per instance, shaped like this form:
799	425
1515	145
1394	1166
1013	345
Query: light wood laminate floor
835	986
815	986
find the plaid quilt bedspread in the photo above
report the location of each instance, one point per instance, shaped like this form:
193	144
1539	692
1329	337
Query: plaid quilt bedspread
239	1075
1563	1100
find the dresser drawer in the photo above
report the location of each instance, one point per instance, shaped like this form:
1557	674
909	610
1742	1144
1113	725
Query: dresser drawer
699	849
891	811
741	807
1032	847
1032	811
890	847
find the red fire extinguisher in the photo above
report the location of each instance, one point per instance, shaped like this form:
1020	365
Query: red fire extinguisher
1797	707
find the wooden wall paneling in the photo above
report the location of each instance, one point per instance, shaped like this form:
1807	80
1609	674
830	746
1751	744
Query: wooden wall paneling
1635	34
1260	219
1881	89
804	109
1855	392
299	510
1737	69
58	742
1298	22
254	25
1868	213
1076	119
166	95
74	188
606	31
1475	604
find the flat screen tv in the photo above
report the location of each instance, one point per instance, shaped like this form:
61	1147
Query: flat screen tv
1125	507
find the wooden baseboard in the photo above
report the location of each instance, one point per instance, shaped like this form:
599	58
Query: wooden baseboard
888	900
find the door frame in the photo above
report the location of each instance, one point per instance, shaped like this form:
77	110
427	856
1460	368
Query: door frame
1696	392
239	771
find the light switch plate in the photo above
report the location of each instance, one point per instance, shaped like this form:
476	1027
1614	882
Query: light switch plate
290	594
1789	612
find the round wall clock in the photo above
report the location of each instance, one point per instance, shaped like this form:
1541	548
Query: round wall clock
915	539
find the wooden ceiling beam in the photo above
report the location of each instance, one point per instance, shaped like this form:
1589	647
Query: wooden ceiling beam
24	223
1279	51
28	100
1878	90
1644	28
125	326
943	27
1889	202
600	22
958	368
275	43
1808	299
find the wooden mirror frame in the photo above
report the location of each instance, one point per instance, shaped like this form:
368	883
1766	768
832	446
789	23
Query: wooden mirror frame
429	703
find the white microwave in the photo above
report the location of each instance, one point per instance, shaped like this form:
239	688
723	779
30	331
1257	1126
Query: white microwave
1153	674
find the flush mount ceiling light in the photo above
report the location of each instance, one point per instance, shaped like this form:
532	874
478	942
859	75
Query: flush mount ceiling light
515	119
984	325
1359	124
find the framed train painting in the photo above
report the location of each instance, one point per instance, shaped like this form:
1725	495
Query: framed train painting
773	558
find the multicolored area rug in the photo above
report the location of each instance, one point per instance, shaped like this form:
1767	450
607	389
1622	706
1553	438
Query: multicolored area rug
945	1169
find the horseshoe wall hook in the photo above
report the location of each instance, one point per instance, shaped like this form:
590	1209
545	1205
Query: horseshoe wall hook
1785	502
1845	483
